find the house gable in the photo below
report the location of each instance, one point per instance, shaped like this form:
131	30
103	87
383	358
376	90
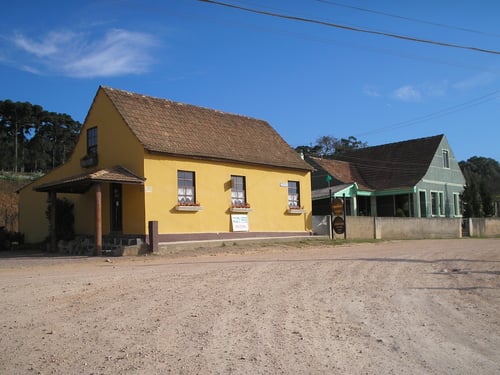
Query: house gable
444	167
394	165
138	146
167	127
440	188
422	176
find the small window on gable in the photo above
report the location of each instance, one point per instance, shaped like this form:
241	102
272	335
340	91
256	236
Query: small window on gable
238	191
446	159
92	141
293	194
185	187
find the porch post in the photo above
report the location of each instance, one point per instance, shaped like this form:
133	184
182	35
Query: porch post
98	219
53	205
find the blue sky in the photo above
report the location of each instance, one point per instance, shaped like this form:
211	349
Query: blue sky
307	80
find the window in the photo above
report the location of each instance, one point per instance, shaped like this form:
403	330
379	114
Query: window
457	205
437	203
92	141
238	191
446	159
441	203
434	203
185	187
423	204
293	194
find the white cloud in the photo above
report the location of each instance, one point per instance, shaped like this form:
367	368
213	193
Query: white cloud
118	52
408	93
31	69
48	46
478	80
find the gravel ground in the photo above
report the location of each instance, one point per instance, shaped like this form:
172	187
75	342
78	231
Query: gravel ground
400	307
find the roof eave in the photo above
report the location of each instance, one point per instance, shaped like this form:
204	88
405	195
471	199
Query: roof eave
231	160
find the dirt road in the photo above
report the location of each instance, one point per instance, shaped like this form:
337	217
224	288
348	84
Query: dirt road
404	307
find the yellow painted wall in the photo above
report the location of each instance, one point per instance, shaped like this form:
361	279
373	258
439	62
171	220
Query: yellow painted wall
264	188
156	200
116	146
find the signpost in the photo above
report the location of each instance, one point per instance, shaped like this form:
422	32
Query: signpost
338	216
338	207
338	225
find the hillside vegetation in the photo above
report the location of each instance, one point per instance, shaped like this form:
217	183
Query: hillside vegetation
9	184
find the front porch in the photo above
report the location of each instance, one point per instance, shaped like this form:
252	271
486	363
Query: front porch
96	244
389	203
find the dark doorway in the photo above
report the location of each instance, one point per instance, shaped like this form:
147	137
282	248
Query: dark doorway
116	207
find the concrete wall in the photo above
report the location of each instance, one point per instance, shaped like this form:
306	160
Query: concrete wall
484	227
360	227
387	228
417	228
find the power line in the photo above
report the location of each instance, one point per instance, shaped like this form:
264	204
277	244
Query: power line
350	28
405	18
443	112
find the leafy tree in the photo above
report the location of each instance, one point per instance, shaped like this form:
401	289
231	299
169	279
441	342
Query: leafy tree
482	176
32	139
346	144
328	146
308	150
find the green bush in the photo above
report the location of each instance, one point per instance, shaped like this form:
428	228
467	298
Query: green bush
65	219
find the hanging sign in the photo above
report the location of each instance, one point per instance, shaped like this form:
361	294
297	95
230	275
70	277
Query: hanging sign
338	207
339	225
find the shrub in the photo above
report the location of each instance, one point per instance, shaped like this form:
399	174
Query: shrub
65	219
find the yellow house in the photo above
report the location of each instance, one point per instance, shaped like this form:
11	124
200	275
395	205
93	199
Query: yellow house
144	164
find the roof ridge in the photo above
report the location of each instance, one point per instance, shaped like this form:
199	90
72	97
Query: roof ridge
181	103
174	128
398	142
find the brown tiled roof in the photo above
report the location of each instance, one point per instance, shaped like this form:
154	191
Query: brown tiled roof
389	166
82	182
342	171
174	128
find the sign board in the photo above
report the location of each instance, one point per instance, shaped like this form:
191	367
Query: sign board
338	207
339	225
239	223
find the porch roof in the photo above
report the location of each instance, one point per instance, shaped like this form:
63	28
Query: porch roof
79	184
334	190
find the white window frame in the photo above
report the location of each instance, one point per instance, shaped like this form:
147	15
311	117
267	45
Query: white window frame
294	194
446	159
434	202
457	205
441	203
186	192
238	190
439	209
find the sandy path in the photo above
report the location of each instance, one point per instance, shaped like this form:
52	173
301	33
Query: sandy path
406	307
